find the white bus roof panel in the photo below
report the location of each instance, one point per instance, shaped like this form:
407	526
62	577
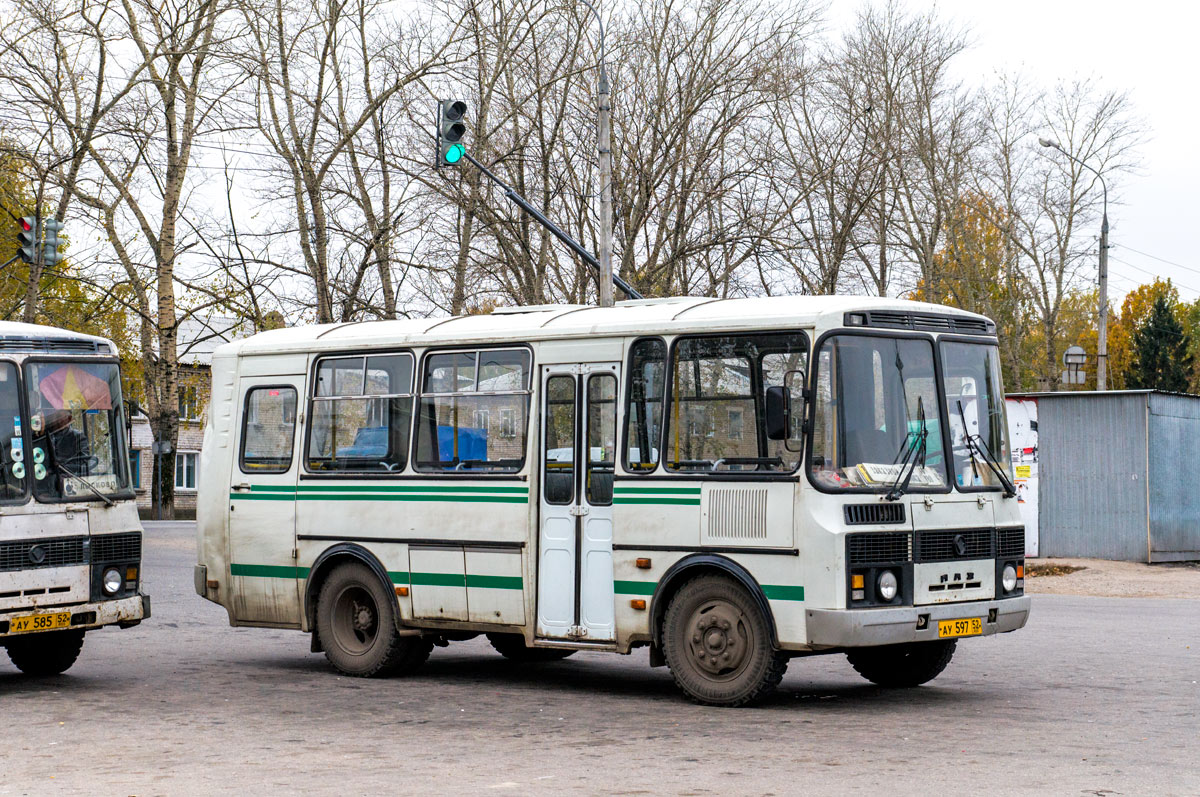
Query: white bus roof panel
515	325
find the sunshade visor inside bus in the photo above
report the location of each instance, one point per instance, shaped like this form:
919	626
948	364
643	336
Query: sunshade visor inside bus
75	387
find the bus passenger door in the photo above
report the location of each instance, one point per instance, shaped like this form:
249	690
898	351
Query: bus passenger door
575	568
265	580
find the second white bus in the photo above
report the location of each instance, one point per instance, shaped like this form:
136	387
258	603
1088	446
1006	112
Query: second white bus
732	483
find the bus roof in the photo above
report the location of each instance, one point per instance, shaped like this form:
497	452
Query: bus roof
673	315
18	337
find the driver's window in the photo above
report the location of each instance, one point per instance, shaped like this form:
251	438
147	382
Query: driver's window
361	413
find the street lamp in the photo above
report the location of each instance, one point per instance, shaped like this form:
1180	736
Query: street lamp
604	147
1102	352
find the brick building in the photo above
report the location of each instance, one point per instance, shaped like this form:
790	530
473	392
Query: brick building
197	340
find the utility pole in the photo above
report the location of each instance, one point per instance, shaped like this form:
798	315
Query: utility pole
604	151
604	143
1102	343
1102	348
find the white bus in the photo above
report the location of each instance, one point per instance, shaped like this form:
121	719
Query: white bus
70	539
731	482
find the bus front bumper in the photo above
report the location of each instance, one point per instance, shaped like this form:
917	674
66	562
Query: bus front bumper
124	612
854	628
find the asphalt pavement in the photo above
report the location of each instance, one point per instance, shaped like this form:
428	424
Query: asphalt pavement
1095	696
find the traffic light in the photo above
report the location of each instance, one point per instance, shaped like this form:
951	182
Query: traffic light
50	254
450	130
27	238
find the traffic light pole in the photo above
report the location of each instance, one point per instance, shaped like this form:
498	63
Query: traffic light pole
554	230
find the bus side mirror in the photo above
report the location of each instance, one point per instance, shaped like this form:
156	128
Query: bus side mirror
779	411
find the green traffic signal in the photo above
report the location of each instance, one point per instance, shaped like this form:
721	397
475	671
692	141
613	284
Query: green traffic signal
451	127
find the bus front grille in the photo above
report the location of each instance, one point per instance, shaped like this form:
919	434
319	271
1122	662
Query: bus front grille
946	546
1010	542
117	547
54	552
881	548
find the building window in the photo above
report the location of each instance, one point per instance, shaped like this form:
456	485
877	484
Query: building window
135	468
736	423
185	470
190	408
508	423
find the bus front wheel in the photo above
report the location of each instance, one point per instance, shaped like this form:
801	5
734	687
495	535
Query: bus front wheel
46	653
903	666
718	644
356	621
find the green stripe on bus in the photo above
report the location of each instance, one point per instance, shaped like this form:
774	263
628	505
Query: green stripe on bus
657	490
415	488
495	582
437	579
634	587
262	497
449	498
268	571
665	500
396	576
486	499
782	592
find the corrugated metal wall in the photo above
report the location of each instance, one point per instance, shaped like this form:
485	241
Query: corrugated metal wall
1092	464
1174	477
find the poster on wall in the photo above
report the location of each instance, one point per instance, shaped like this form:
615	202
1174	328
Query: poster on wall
1023	433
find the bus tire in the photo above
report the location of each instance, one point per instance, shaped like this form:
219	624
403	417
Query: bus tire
718	644
903	666
47	653
356	622
513	648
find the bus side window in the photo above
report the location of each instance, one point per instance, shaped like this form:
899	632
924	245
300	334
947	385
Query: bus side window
643	404
267	430
474	411
361	413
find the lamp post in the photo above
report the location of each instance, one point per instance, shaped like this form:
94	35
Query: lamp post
604	147
1102	347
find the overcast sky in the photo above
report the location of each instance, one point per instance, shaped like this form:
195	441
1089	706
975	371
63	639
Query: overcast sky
1148	49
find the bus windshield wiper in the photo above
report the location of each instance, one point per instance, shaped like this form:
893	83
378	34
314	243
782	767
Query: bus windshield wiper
977	443
108	501
914	454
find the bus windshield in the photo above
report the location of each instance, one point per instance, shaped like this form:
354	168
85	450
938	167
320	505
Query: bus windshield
975	399
876	398
76	428
12	449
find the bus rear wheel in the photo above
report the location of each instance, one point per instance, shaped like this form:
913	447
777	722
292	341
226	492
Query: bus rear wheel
718	644
356	621
513	648
48	653
903	666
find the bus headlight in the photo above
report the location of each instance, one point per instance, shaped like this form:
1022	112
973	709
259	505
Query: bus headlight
1008	578
887	586
111	581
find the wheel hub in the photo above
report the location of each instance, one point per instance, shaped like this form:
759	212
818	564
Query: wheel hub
719	641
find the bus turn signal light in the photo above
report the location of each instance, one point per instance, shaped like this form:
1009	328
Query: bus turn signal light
643	564
402	592
1020	571
856	581
638	604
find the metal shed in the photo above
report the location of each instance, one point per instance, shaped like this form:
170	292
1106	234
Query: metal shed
1118	474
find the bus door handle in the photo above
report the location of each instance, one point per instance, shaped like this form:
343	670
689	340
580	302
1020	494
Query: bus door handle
241	488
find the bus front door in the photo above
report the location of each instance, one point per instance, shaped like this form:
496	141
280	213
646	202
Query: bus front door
262	503
575	562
